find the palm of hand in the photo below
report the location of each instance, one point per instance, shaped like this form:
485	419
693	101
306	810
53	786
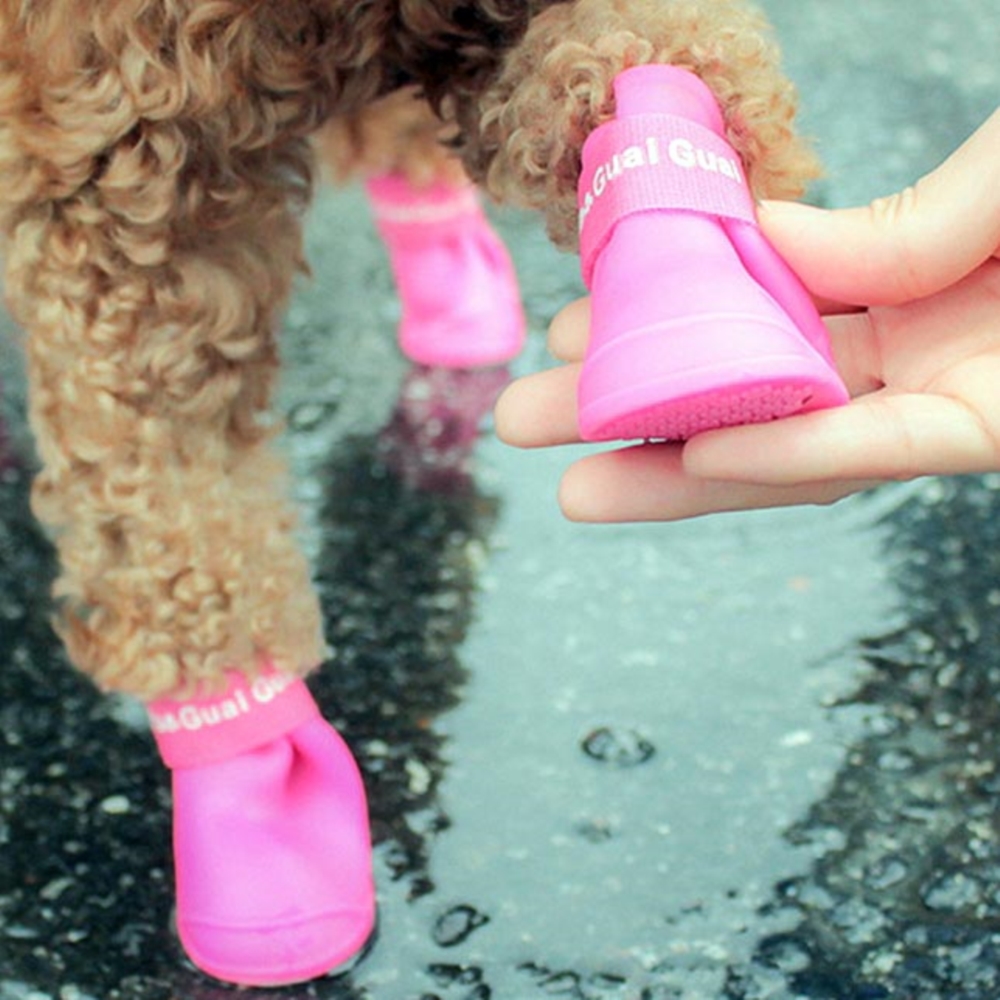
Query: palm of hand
923	377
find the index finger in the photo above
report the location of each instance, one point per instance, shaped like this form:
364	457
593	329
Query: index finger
569	331
883	435
903	247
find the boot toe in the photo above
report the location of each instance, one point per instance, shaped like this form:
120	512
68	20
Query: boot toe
277	954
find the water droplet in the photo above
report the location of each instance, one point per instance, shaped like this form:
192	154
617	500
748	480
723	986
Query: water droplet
620	747
596	830
457	924
309	416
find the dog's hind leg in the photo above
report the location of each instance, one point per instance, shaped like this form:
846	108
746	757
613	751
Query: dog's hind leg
458	292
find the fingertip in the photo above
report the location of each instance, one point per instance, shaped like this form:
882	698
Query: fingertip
800	234
569	331
582	498
846	257
637	483
788	214
571	500
539	410
506	411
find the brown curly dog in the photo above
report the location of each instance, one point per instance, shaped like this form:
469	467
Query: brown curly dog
157	158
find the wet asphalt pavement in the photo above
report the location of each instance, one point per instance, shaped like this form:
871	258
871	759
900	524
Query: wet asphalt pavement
752	757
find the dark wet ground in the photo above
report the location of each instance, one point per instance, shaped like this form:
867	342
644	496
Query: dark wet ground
752	757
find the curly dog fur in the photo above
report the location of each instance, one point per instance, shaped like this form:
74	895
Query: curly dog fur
157	159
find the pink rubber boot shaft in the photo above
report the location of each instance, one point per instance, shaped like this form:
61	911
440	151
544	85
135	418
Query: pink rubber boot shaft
692	310
664	89
461	305
271	844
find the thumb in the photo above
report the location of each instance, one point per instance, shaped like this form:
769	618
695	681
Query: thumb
905	246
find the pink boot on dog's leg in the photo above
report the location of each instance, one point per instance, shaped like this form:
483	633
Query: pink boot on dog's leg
697	322
271	840
461	307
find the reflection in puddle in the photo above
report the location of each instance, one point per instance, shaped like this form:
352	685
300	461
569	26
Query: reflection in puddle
904	900
404	531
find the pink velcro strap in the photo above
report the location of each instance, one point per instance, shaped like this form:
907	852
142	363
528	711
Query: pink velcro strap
402	211
655	162
251	712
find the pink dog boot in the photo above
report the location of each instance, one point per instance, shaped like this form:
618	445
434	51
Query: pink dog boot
461	307
697	322
271	844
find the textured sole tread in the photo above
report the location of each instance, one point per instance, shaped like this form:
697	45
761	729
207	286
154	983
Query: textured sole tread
683	418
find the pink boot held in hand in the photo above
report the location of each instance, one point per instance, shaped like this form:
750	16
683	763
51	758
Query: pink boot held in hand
271	841
461	307
697	322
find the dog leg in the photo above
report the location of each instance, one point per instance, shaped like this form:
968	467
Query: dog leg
156	165
458	291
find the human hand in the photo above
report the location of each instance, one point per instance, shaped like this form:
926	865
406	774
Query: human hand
910	290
